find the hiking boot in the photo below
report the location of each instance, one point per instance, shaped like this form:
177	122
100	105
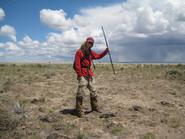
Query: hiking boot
94	104
79	111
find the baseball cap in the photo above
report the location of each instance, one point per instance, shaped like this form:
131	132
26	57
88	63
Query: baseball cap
90	40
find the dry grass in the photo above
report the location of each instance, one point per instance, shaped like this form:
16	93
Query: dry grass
146	101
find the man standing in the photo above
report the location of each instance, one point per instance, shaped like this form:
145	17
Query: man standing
82	66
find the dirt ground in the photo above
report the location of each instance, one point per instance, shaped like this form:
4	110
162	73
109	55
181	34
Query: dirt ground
139	102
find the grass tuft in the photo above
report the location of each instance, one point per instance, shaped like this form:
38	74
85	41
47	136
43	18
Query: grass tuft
174	74
148	135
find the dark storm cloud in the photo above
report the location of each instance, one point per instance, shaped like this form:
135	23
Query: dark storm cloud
169	47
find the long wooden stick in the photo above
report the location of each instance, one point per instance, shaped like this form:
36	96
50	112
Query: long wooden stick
109	50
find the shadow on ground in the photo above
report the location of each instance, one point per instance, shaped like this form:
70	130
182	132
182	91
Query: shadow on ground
72	112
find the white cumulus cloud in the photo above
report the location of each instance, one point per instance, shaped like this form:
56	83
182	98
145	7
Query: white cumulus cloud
143	30
27	42
9	46
55	19
8	31
2	14
148	21
128	25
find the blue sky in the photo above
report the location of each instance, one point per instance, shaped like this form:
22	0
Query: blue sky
52	30
24	14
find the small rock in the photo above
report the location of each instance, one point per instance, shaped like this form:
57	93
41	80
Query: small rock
45	118
37	100
135	108
181	105
134	115
58	128
165	103
173	93
41	109
151	109
163	121
1	91
23	127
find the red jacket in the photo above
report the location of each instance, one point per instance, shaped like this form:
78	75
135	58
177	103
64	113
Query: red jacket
80	65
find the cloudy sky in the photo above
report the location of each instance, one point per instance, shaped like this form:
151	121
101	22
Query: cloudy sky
52	30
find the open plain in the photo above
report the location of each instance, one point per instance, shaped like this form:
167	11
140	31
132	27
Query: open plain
140	101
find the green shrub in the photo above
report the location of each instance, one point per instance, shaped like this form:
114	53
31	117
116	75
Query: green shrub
48	75
174	122
148	136
6	85
174	74
2	65
81	135
116	130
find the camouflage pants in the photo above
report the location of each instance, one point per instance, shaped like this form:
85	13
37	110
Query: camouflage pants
82	84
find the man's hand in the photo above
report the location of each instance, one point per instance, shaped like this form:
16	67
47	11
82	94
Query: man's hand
108	49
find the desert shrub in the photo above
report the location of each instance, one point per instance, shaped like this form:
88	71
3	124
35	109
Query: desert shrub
7	119
174	74
162	65
40	65
179	65
49	75
6	85
138	66
18	69
116	130
148	136
122	68
174	122
81	135
23	103
2	65
69	127
13	65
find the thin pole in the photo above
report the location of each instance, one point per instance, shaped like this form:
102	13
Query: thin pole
108	51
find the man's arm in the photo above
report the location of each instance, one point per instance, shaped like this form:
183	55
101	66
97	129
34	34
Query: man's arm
98	56
78	63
